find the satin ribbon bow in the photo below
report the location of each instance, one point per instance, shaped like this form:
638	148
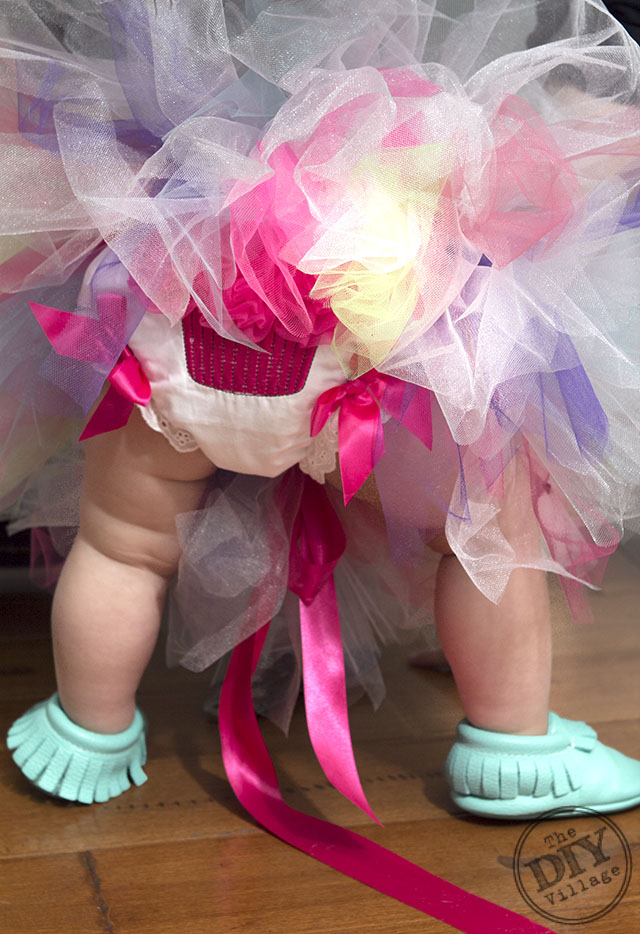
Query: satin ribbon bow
94	343
129	386
360	436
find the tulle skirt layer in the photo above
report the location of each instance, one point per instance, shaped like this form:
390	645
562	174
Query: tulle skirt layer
447	194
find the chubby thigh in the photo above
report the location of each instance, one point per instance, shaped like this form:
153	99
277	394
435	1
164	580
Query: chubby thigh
135	486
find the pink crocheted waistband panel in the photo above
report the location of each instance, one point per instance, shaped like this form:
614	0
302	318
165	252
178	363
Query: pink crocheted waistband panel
280	370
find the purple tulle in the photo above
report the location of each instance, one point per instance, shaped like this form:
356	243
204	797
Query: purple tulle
462	200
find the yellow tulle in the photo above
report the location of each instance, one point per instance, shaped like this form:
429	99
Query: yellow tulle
393	199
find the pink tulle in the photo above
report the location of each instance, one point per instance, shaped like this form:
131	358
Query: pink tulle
569	542
263	222
530	187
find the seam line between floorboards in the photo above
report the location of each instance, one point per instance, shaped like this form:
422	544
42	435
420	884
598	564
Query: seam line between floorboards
87	858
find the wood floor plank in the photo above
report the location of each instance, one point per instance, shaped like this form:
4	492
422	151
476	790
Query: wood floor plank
255	883
52	895
241	884
191	797
179	856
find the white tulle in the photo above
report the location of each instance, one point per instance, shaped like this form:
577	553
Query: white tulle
357	145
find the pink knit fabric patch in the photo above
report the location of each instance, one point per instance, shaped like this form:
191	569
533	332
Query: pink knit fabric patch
280	370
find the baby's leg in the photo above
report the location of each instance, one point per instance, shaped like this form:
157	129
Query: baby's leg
513	758
500	654
109	599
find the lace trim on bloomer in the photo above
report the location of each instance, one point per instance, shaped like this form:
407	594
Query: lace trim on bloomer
319	461
179	438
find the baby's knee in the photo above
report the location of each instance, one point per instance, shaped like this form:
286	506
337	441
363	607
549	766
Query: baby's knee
129	544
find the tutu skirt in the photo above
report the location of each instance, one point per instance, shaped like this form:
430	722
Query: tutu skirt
425	215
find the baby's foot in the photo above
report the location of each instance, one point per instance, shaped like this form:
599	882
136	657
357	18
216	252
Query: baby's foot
508	776
70	762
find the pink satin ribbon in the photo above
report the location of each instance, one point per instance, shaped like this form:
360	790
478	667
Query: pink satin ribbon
81	338
129	387
317	543
360	435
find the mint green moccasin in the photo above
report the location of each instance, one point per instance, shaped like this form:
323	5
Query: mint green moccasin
69	762
499	775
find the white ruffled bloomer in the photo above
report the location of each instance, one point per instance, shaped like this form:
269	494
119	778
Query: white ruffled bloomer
262	435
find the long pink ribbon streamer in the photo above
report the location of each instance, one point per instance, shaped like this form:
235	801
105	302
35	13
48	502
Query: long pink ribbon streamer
358	403
325	695
253	779
317	544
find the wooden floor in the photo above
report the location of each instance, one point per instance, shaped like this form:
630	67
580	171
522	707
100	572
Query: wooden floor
179	856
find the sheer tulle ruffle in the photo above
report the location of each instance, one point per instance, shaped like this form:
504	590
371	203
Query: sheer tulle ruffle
443	198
